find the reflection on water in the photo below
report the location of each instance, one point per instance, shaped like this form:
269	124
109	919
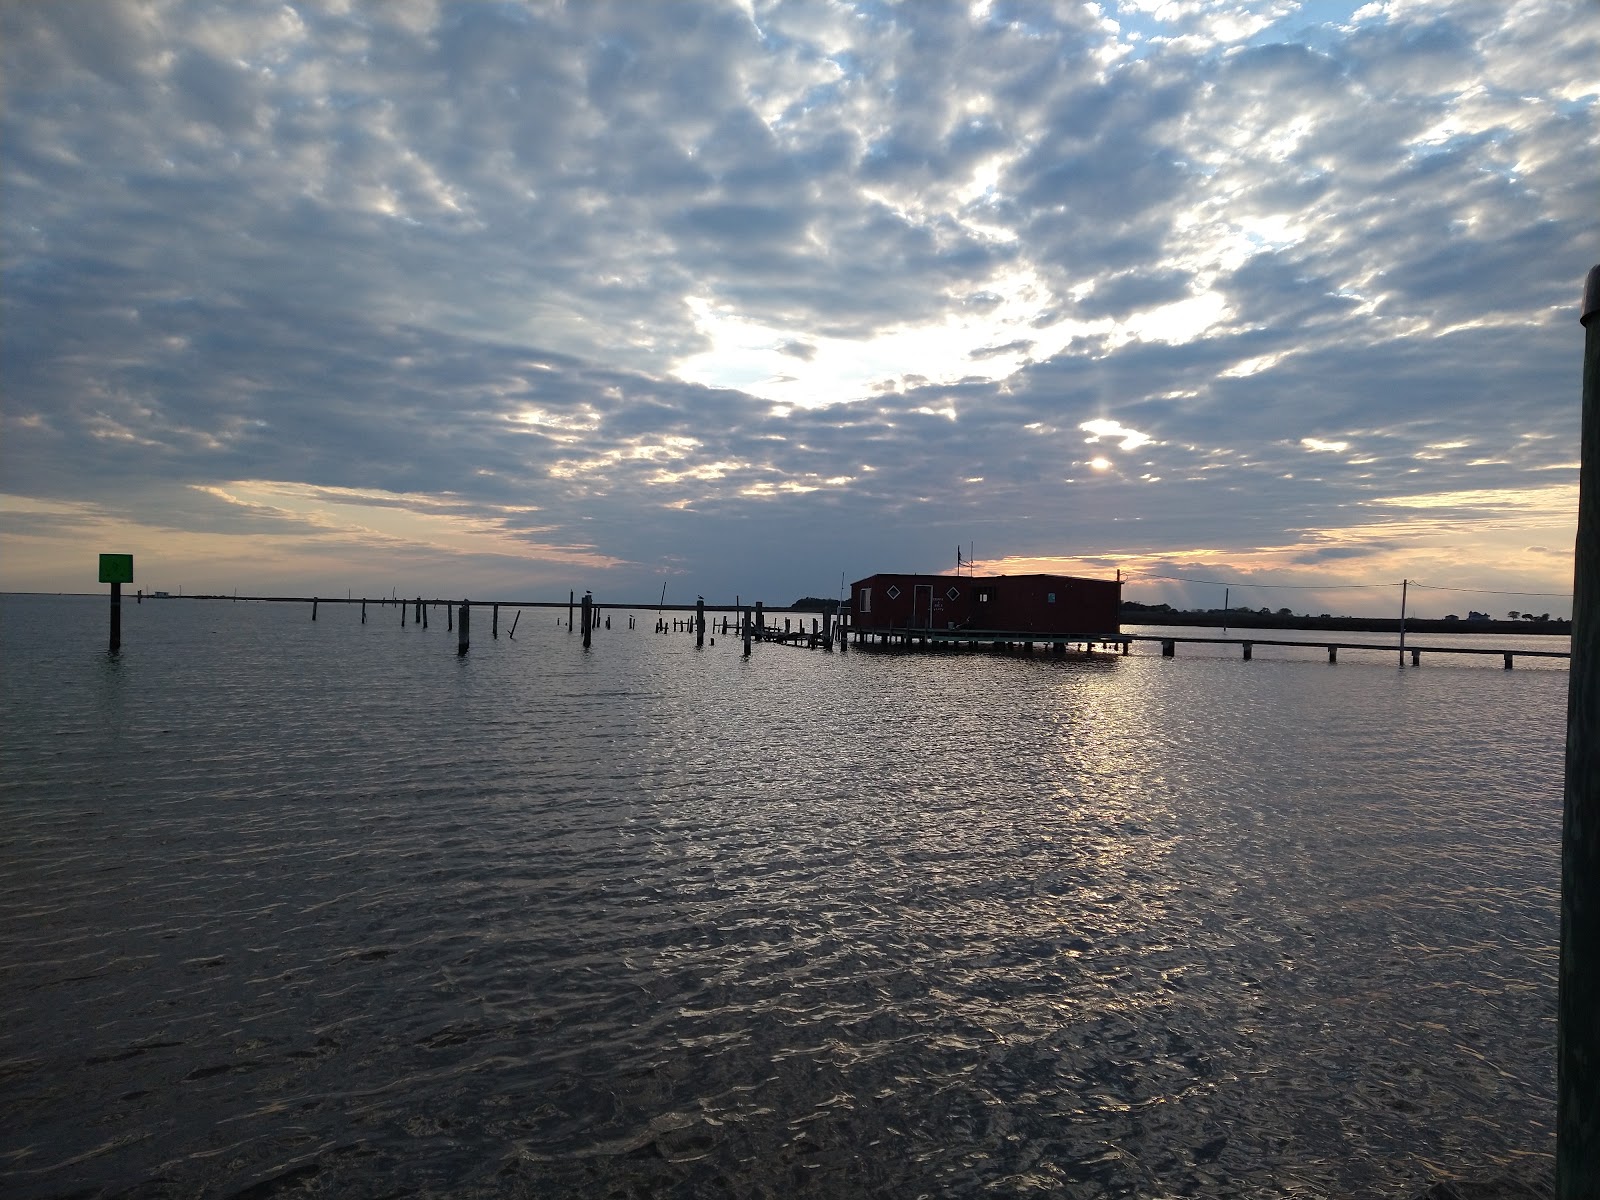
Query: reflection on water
320	906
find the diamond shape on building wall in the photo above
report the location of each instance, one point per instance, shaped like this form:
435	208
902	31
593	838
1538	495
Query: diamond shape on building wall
893	593
953	594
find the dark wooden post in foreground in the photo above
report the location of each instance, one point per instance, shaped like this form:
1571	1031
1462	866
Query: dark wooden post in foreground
570	595
363	610
463	640
494	622
588	626
313	608
744	616
1578	1006
116	616
700	623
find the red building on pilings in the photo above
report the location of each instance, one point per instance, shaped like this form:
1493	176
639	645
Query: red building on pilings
1048	607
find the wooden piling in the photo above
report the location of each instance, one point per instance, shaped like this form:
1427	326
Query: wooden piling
423	609
700	623
449	619
1577	1030
463	638
1333	654
745	620
494	622
570	596
1248	647
363	610
313	608
116	617
1169	647
588	603
761	620
512	632
403	607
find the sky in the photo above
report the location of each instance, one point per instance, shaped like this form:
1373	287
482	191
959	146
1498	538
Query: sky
504	300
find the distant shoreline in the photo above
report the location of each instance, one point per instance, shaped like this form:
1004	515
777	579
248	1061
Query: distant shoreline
1245	620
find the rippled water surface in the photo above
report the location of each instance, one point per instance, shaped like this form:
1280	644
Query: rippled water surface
321	908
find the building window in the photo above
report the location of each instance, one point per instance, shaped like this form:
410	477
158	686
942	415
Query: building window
866	600
985	595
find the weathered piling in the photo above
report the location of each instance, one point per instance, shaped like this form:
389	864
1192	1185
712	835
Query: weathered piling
463	638
449	616
313	608
419	618
512	632
570	596
116	616
700	623
494	622
363	610
1577	1029
761	620
423	609
744	616
588	603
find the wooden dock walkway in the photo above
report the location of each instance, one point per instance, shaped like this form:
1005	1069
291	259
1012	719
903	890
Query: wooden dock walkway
1169	648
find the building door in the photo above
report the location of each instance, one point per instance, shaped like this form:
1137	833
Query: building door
922	606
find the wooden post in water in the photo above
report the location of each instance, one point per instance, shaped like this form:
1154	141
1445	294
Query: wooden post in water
449	618
313	608
512	632
761	620
588	608
570	595
116	617
494	622
1578	1003
423	608
363	610
745	619
700	623
463	639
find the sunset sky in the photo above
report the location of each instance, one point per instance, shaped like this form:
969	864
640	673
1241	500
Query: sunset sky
502	300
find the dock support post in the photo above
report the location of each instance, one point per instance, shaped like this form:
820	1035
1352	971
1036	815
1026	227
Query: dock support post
494	622
1333	654
363	610
570	596
463	640
116	617
449	616
1508	660
1577	1031
700	623
761	620
313	608
744	616
1169	647
588	624
1416	658
403	607
1248	647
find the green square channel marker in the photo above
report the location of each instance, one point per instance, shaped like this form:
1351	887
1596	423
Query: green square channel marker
116	568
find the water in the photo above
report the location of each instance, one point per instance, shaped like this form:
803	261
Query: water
319	908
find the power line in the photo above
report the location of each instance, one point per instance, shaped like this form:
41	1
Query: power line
1311	587
1492	591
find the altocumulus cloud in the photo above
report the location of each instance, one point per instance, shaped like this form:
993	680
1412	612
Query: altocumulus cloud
511	298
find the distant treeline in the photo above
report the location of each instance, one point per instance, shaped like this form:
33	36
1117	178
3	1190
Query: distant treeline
1265	618
815	604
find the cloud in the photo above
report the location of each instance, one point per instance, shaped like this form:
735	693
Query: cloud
776	290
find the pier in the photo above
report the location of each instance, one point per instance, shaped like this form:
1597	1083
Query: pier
1169	648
